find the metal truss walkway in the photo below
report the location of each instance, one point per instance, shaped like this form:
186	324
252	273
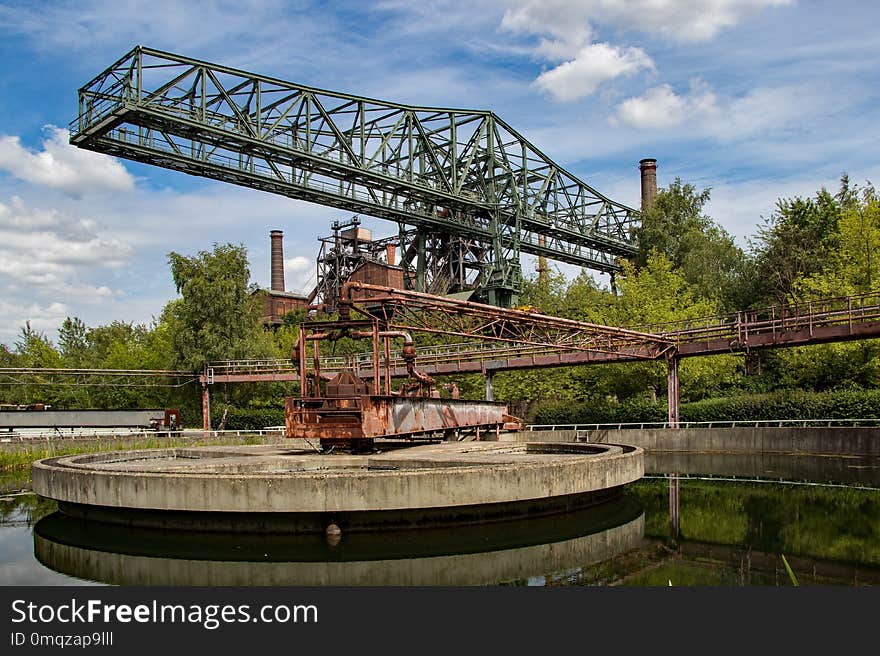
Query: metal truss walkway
462	172
503	339
511	339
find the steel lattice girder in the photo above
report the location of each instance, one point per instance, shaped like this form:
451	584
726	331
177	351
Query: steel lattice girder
413	311
95	377
460	170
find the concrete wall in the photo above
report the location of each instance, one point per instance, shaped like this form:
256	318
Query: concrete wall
189	479
80	418
842	440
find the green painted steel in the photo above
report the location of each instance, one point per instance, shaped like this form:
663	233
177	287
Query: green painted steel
463	172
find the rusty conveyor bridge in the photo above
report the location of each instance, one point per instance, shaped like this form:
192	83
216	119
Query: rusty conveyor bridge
827	320
502	339
513	339
571	342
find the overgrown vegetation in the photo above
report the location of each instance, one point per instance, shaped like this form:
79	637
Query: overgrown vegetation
687	267
20	459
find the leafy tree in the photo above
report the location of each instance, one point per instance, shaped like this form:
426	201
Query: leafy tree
705	254
852	267
797	241
35	349
217	317
649	296
653	296
72	342
7	357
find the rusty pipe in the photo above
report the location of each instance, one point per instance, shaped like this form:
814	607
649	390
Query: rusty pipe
407	338
314	336
409	355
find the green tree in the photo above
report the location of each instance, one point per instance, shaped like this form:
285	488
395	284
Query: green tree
35	350
72	342
797	241
217	316
702	251
851	267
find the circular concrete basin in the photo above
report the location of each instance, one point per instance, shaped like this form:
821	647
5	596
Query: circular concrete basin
253	486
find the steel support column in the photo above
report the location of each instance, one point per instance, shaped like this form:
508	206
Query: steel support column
206	408
674	508
672	390
490	385
421	261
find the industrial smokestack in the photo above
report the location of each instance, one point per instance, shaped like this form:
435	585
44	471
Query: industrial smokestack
648	167
277	260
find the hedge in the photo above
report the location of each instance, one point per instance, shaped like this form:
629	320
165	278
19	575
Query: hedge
247	418
788	404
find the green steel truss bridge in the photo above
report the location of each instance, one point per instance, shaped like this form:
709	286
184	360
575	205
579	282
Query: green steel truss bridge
458	172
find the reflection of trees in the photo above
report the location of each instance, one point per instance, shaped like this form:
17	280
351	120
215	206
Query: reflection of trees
766	520
29	508
829	523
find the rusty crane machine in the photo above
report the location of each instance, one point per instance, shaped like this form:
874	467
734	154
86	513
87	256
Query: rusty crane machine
468	192
354	407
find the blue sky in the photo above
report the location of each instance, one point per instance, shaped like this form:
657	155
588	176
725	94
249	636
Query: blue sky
755	99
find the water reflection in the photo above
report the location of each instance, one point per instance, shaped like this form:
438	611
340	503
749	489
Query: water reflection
854	470
516	552
727	532
825	518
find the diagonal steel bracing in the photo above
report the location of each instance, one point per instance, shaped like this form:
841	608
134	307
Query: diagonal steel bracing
416	312
461	171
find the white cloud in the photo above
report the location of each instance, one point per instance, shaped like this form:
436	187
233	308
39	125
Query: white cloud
298	263
660	107
62	166
43	318
593	65
568	33
300	273
702	112
45	251
782	109
571	23
566	22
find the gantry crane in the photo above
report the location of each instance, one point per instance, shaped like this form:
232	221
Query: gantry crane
465	180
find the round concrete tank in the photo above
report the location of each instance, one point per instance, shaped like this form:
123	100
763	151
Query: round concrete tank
276	488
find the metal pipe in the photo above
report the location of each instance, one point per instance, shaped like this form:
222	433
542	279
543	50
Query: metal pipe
672	390
206	408
407	338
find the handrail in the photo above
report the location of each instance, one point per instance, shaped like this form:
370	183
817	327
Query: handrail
737	423
187	433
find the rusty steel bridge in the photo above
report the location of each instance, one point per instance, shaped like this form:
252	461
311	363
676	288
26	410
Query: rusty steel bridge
504	339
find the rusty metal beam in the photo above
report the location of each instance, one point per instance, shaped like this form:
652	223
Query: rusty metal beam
418	312
804	336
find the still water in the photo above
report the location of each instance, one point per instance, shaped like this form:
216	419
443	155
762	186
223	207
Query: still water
680	528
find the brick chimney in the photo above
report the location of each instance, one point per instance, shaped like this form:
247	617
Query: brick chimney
277	260
648	167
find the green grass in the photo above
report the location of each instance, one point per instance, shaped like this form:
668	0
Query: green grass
18	460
